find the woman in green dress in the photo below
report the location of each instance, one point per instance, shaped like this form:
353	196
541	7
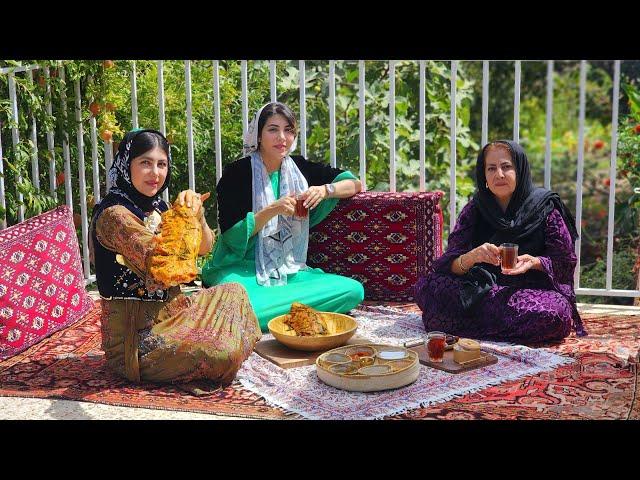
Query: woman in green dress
263	245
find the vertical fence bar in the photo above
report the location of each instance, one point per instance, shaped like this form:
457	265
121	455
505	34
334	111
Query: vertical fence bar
422	125
187	78
216	93
35	170
362	119
161	114
516	103
612	171
580	173
485	103
272	79
50	140
549	119
245	97
94	160
95	166
108	161
82	180
453	129
3	200
332	112
392	125
303	109
68	193
134	96
15	136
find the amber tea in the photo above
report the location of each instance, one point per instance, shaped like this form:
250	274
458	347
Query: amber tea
508	255
301	210
435	346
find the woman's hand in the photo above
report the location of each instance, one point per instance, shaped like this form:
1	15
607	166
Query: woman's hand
313	196
485	253
524	263
284	206
192	200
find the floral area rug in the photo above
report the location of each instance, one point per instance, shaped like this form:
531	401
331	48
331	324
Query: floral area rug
600	384
70	365
300	390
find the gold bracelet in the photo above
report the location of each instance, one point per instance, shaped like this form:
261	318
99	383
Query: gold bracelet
465	270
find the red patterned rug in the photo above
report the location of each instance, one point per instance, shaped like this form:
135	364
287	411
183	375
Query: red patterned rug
41	280
384	240
601	384
70	365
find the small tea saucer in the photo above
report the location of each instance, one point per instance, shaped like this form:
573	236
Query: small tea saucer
392	354
360	351
375	370
344	368
335	357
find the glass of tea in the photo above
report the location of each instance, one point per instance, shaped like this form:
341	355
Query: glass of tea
301	211
436	342
508	255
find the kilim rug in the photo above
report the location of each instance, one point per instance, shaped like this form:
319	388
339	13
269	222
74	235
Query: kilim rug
41	280
598	385
384	240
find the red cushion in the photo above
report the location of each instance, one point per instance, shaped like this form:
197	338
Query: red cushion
41	280
384	240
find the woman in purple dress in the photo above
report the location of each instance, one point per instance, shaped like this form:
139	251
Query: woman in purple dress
469	294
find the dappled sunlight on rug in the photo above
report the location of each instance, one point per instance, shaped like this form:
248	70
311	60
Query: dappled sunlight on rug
615	335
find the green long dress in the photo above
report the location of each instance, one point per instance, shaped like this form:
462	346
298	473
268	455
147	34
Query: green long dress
233	260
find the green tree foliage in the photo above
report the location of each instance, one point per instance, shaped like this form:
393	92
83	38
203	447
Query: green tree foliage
106	99
565	148
318	136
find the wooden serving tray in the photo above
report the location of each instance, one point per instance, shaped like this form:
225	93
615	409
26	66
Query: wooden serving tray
407	371
285	357
448	365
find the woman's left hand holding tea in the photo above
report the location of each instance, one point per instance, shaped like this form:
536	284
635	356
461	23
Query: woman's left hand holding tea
524	264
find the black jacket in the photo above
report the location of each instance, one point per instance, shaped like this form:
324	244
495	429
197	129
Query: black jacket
235	188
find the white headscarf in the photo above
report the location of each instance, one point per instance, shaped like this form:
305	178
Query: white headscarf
281	245
250	141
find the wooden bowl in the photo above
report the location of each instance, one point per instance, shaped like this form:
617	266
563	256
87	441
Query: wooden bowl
341	329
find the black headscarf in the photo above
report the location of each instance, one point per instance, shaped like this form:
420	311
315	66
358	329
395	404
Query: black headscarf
523	221
122	190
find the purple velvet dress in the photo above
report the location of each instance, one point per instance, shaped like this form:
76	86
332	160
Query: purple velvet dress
537	306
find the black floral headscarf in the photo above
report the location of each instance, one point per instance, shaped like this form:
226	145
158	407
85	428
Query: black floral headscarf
120	174
525	216
122	191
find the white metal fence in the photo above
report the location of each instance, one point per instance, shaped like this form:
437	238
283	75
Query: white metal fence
10	72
